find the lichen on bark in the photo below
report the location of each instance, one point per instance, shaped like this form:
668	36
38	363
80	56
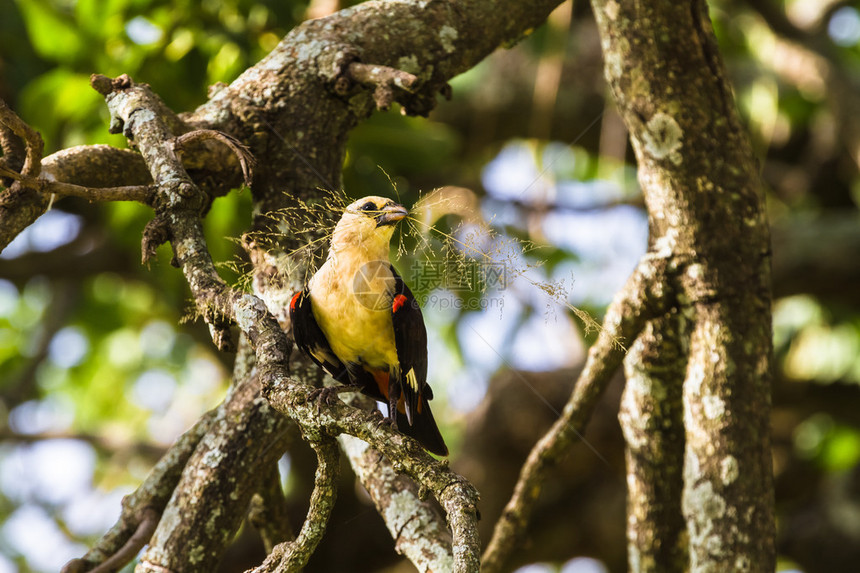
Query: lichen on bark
706	211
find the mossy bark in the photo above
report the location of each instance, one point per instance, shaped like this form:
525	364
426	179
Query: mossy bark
706	211
652	419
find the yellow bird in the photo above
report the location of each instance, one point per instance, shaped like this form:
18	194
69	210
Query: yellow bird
358	320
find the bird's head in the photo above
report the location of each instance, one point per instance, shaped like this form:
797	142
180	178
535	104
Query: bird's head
367	225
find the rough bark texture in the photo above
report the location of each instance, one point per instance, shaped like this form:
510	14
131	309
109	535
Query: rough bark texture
706	208
211	498
294	555
418	530
455	494
294	110
652	418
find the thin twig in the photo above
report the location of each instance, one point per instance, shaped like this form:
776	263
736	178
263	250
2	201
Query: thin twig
19	204
374	75
8	172
140	193
134	544
30	137
14	152
386	82
243	154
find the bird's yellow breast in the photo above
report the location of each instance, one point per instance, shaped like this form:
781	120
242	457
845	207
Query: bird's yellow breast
351	301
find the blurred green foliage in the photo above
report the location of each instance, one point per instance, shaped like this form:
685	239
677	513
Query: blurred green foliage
179	48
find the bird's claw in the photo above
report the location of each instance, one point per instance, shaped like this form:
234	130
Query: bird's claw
326	395
383	420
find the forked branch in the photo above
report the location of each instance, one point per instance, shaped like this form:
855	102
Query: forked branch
178	206
293	555
640	299
148	500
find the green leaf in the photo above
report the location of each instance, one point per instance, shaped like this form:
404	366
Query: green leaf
55	35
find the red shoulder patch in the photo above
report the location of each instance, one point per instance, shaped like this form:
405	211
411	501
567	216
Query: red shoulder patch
294	300
398	303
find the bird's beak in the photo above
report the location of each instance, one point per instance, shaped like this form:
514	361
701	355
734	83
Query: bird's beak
391	214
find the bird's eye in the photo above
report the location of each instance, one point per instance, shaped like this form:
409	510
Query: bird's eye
369	206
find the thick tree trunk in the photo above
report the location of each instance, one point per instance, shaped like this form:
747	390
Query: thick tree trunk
707	214
211	498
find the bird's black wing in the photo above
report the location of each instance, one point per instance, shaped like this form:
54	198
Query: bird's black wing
410	339
310	339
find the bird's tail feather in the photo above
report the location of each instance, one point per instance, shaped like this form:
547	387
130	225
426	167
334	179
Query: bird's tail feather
423	429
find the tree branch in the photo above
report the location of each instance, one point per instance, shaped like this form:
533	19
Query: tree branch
96	166
20	205
706	205
268	513
77	172
140	193
456	495
418	530
325	47
152	494
179	203
386	82
293	555
641	299
14	153
652	419
431	41
135	543
33	143
209	501
179	221
240	151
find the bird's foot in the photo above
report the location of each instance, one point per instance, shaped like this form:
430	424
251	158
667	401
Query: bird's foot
326	395
383	420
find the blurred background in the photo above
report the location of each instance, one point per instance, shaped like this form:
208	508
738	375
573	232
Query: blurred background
99	373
